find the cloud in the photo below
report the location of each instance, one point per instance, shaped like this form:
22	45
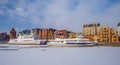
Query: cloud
62	14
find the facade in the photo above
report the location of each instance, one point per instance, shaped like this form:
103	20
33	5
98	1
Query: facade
61	34
43	34
91	29
46	34
12	34
108	34
51	33
114	36
119	38
40	33
72	35
118	29
104	34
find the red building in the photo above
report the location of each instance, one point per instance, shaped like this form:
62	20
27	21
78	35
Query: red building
61	34
12	34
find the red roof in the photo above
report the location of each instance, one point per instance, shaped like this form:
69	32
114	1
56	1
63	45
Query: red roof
12	30
60	31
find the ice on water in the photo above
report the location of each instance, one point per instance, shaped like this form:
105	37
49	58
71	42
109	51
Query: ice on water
62	56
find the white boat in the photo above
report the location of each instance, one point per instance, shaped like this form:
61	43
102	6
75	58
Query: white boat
27	39
78	40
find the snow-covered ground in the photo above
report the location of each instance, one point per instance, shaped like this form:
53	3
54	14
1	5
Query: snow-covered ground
61	56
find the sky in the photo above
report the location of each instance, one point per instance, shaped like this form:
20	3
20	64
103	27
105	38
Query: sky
57	14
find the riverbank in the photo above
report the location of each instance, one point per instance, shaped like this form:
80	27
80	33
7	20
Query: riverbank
66	45
109	44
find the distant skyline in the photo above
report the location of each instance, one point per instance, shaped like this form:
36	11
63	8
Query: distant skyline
58	14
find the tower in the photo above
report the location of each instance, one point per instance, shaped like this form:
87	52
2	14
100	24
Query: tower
12	34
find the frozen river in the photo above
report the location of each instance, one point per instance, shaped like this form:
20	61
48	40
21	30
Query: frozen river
61	56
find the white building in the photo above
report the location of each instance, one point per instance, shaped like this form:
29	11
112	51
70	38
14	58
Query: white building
118	29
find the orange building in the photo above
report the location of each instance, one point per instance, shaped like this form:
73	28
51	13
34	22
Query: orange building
61	34
107	34
114	36
46	33
51	33
104	34
12	34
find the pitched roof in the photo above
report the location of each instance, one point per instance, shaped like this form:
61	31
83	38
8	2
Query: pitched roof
60	31
12	30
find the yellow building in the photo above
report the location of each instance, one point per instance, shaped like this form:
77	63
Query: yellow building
72	35
108	34
104	34
96	38
114	37
91	29
90	37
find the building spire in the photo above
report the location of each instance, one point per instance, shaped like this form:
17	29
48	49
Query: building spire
12	34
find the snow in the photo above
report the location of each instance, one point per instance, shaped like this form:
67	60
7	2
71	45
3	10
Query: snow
61	56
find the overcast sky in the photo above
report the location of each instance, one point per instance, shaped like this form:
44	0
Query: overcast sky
58	14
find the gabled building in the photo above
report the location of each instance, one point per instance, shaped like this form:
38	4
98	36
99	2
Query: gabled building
12	34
